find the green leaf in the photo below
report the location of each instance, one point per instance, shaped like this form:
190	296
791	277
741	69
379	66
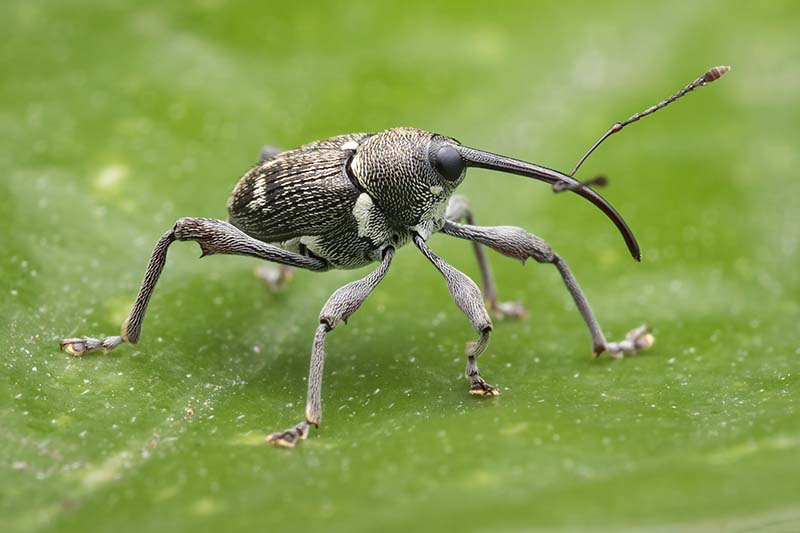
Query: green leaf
118	118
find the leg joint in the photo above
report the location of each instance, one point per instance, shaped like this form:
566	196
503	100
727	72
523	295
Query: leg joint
194	228
541	251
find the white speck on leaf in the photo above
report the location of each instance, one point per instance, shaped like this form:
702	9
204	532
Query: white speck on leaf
110	177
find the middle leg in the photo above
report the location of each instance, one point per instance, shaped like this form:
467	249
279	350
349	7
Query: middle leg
214	237
339	308
467	297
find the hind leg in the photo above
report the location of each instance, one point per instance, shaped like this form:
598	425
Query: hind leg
214	237
275	276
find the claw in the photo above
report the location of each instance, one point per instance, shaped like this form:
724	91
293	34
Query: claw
73	347
641	337
514	310
77	347
282	439
635	340
288	438
483	389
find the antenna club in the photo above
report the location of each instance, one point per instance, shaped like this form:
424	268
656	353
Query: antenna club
715	73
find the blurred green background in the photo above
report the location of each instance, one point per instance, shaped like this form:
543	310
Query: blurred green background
118	118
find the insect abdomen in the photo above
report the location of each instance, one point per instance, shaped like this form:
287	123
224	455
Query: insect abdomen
297	193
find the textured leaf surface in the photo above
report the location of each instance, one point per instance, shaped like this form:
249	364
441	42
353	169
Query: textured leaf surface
115	120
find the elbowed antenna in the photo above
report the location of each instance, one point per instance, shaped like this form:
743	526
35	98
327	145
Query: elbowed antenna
490	161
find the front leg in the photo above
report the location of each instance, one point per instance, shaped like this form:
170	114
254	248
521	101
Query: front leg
459	210
339	308
467	297
519	244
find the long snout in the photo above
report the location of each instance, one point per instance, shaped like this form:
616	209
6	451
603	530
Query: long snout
490	161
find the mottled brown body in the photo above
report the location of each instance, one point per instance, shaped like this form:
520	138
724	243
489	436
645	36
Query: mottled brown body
347	198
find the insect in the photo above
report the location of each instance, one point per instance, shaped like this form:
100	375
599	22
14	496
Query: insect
353	200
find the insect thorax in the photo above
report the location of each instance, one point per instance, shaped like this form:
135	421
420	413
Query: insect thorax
345	199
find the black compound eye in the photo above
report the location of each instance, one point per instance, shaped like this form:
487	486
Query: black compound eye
448	163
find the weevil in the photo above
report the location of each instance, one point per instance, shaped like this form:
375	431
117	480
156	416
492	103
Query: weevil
353	200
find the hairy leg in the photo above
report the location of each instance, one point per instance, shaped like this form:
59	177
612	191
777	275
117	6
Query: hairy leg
214	237
467	297
459	210
339	308
519	244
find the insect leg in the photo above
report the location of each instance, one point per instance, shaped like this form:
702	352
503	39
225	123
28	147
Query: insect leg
519	244
339	308
459	210
467	297
276	277
268	152
213	236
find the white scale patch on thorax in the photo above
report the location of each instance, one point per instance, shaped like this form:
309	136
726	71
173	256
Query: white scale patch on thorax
372	224
312	243
433	220
362	211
